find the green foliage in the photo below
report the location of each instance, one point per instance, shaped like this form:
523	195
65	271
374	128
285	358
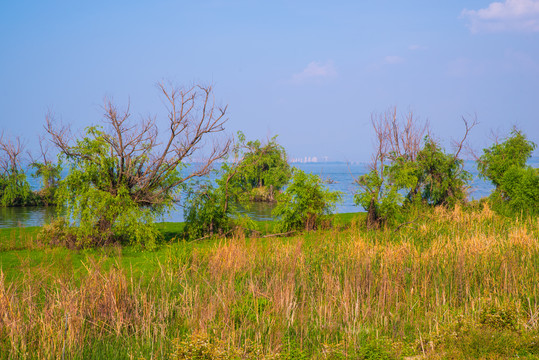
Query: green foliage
14	189
261	171
304	202
521	187
50	176
199	346
257	173
58	233
432	178
441	177
100	201
205	212
499	158
378	196
376	350
517	185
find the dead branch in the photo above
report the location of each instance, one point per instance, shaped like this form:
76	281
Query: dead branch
279	234
458	146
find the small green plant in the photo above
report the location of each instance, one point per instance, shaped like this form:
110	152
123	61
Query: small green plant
376	349
499	317
304	203
199	346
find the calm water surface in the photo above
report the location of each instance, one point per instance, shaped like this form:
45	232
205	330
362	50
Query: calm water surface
341	175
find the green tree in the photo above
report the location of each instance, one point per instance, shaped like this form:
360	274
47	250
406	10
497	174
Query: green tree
304	202
496	160
50	175
122	176
258	171
434	178
517	184
14	187
409	168
255	172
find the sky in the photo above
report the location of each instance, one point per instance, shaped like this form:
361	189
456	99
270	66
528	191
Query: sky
311	72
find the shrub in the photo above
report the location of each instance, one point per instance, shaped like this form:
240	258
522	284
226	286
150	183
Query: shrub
304	202
517	185
409	168
15	190
496	160
205	212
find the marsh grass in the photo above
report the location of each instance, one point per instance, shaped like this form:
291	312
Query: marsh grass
455	284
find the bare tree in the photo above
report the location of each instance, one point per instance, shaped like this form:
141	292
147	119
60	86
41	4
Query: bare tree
11	152
140	159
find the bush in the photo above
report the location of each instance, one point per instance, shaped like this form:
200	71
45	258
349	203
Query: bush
409	168
15	190
496	160
431	178
304	202
517	185
205	212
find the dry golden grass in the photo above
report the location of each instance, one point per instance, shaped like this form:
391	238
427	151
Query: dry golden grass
327	289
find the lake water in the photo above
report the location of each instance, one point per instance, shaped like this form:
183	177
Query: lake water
342	179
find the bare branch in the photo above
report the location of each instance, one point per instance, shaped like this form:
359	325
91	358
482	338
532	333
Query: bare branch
458	146
10	154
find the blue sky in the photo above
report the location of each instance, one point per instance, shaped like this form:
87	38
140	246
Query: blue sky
311	72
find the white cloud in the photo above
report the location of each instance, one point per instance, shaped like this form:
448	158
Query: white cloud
393	59
511	15
315	71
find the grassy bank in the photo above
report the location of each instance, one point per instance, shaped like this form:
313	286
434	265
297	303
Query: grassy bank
453	284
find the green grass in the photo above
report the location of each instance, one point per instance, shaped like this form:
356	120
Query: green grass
453	284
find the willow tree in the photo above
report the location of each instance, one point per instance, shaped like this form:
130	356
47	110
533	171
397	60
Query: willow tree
122	173
14	187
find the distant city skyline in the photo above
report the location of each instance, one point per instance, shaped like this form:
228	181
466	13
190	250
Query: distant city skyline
311	72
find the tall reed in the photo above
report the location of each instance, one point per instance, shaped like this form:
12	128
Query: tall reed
335	289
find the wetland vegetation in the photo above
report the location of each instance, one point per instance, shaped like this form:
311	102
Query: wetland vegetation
424	273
